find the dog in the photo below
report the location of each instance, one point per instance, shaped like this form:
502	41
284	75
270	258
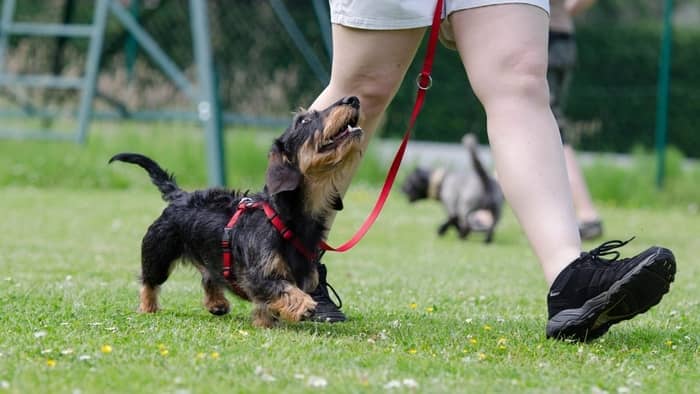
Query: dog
274	239
461	193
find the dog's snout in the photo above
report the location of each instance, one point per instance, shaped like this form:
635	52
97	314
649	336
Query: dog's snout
352	101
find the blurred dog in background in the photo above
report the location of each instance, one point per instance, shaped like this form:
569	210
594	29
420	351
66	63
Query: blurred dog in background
462	193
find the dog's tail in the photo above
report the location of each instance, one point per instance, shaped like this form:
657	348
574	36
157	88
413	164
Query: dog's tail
470	142
164	182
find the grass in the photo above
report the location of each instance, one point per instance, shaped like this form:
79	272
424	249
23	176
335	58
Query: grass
449	316
426	314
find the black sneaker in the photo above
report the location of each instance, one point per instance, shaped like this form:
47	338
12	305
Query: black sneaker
593	293
326	311
590	230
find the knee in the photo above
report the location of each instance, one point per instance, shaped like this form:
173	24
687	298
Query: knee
375	91
521	75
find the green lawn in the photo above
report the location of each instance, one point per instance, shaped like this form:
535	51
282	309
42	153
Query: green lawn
425	314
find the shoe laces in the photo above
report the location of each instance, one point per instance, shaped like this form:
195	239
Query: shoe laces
607	249
323	285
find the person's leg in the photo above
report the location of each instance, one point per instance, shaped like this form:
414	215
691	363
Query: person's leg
369	64
585	210
504	50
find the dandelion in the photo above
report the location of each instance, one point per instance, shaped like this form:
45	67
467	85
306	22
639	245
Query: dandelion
487	327
430	309
482	356
214	355
412	351
163	352
106	349
413	305
473	341
669	343
501	343
50	363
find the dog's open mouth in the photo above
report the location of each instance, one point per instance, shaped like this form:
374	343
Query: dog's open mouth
351	130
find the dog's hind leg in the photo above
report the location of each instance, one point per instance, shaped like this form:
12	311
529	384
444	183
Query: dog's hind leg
214	297
159	250
451	221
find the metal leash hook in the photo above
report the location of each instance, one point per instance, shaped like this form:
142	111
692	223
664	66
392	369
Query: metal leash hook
424	81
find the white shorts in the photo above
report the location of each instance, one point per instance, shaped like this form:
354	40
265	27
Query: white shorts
408	14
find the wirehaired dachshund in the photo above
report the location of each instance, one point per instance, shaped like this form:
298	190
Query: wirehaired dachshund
273	261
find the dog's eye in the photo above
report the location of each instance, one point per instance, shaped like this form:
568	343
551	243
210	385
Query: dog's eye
305	120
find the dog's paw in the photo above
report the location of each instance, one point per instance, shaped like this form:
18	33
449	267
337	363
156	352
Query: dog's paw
219	309
262	317
147	308
148	300
294	305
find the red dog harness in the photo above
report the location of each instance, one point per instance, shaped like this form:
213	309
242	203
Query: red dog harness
287	234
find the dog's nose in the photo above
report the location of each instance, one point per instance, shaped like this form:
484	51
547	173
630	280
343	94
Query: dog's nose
352	101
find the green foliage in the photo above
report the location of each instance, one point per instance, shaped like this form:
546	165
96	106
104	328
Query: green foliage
634	184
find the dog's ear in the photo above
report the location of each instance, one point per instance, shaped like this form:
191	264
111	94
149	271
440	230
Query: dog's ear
281	175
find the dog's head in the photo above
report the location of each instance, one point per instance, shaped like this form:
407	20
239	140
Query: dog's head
315	151
416	184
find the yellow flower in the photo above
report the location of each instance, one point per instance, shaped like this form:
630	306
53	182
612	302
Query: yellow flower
412	351
487	327
164	352
482	356
106	349
501	341
669	343
50	363
214	355
413	305
429	309
473	341
200	356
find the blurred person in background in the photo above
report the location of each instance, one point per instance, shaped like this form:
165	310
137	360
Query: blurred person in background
562	60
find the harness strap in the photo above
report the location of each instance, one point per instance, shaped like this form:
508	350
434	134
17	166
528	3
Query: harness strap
286	233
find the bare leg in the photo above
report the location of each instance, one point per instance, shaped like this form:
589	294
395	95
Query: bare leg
369	64
510	80
585	210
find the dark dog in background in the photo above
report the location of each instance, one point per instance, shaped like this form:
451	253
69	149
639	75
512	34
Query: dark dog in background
268	267
461	193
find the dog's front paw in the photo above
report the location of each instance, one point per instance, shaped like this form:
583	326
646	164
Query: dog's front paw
262	316
294	305
216	303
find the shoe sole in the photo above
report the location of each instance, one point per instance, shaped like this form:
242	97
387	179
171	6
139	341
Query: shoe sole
635	293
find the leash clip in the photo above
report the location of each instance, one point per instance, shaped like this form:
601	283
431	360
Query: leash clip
245	202
424	81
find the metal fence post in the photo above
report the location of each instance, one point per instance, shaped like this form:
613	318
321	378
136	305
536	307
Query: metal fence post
662	94
208	104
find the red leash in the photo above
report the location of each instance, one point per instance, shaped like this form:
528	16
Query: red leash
424	82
